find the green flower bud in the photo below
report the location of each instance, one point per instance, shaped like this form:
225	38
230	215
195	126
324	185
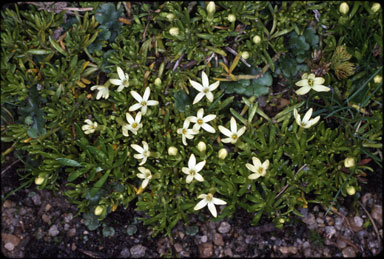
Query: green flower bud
375	7
158	82
231	18
344	8
378	79
351	190
172	151
98	210
349	162
256	39
245	54
174	31
39	180
281	220
211	7
170	17
201	146
222	154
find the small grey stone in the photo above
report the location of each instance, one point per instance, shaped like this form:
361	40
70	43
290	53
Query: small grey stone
228	252
224	227
358	221
206	250
218	239
204	239
284	250
348	252
138	251
339	223
36	199
330	231
308	252
53	231
71	232
377	214
125	253
341	244
178	247
9	246
68	218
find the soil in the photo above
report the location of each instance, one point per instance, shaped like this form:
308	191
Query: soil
43	224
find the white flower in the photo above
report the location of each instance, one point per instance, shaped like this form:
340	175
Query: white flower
211	7
257	168
193	169
143	102
309	82
174	31
122	82
201	122
231	17
133	124
233	135
146	175
103	91
172	151
143	152
211	201
205	89
90	127
306	122
349	162
344	8
222	154
185	132
201	146
375	7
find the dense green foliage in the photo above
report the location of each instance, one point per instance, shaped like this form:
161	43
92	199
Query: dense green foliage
257	50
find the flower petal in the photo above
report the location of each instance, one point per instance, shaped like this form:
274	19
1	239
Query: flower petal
212	209
209	117
196	85
321	88
256	162
198	97
134	107
192	161
209	96
201	204
200	113
241	131
120	73
199	178
314	121
189	178
318	81
251	167
218	201
214	85
115	81
204	79
152	103
307	116
233	125
146	94
129	118
199	166
137	148
144	183
266	164
185	170
208	128
136	96
303	90
303	82
253	176
226	140
225	131
144	109
202	196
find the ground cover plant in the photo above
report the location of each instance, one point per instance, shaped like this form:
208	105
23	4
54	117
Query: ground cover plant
180	108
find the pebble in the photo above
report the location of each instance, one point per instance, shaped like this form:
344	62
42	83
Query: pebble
68	218
73	247
228	252
358	221
125	253
53	231
330	220
48	207
310	220
138	251
339	223
308	252
224	227
10	241
204	239
206	250
348	252
341	244
218	239
178	247
181	235
377	214
36	199
330	231
8	204
46	218
71	232
367	199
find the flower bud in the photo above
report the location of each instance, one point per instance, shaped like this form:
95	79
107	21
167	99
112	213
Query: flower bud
281	220
211	7
170	17
231	18
245	54
256	39
375	7
174	31
172	151
98	210
349	162
158	82
201	146
222	153
378	79
39	180
344	8
351	190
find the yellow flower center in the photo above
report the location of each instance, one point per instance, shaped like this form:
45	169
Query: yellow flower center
146	153
134	125
310	82
125	82
143	103
192	172
206	90
209	197
184	131
200	121
260	170
147	174
234	136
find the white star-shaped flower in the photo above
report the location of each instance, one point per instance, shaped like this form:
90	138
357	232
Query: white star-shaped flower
122	82
211	201
204	89
257	168
309	82
201	122
193	169
103	91
143	102
306	122
146	175
143	152
90	127
233	134
185	132
133	124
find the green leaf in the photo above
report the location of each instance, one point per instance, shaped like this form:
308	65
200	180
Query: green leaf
181	100
311	37
99	183
68	162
